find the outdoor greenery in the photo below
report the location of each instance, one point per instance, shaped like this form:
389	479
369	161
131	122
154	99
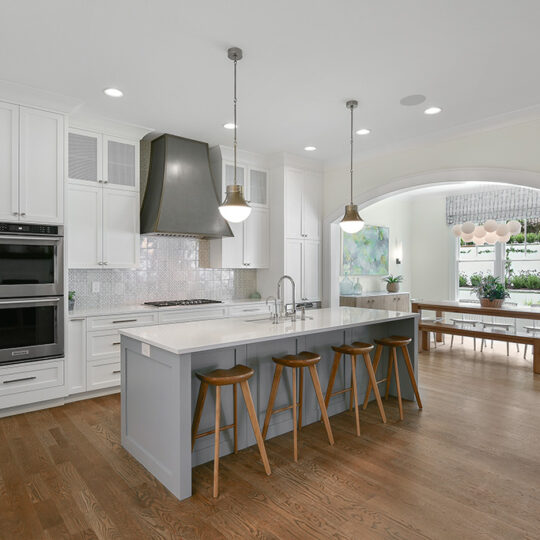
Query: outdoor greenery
490	287
529	279
393	279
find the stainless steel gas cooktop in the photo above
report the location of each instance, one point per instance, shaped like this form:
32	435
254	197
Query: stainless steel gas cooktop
190	302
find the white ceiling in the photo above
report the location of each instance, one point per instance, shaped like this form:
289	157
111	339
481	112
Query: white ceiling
303	59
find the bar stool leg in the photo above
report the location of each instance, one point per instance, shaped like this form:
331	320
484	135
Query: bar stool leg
331	380
300	397
351	397
244	386
294	405
216	441
235	428
198	411
272	398
320	399
398	387
389	373
407	358
355	393
373	382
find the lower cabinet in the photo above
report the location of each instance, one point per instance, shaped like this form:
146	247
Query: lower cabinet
389	301
76	356
103	373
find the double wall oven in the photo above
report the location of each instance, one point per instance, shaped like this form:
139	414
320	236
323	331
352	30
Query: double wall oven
31	292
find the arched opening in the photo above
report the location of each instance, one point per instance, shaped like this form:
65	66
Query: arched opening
439	180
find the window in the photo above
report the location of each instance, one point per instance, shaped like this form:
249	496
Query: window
517	263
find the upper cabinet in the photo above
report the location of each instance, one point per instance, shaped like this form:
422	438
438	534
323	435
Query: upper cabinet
303	204
101	159
31	164
103	201
250	245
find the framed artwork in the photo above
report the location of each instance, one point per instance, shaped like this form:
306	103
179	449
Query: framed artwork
365	253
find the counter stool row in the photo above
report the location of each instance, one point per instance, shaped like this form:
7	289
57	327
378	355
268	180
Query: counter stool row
240	374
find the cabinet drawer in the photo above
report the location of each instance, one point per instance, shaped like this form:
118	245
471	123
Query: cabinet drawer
28	378
166	317
103	344
103	374
110	322
239	311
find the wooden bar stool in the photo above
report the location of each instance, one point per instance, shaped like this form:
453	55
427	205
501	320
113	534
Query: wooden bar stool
221	377
392	343
356	349
297	361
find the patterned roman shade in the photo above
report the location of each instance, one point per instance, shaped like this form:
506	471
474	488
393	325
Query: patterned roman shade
496	203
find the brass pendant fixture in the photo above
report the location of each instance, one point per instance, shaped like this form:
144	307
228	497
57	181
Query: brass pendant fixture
235	208
351	222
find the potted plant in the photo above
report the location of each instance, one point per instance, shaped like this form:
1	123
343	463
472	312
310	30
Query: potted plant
392	283
490	291
71	300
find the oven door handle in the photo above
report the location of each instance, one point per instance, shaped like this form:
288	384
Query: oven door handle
37	237
31	300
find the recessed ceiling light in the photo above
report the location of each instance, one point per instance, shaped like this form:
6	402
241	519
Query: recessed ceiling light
432	110
229	125
412	100
113	92
363	131
310	148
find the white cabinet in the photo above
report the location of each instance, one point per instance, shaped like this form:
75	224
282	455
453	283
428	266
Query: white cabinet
9	161
302	263
76	357
103	201
120	228
303	204
31	164
250	246
103	159
382	300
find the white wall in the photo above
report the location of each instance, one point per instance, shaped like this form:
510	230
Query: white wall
393	213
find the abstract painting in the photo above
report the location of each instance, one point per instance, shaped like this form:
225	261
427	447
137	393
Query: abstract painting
365	253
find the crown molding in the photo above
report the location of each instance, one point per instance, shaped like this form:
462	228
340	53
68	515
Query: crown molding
102	124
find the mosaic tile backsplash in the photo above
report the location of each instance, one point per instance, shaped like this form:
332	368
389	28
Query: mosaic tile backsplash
171	268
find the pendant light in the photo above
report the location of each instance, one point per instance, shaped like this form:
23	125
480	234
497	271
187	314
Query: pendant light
351	222
234	208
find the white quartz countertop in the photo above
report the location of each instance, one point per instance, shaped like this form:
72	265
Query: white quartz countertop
142	308
188	337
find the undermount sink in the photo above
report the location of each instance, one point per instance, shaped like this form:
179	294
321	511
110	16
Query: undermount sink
280	321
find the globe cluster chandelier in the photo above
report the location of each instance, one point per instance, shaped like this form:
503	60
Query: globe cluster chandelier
488	233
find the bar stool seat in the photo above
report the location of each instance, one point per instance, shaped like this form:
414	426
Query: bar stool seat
393	342
357	348
297	361
221	377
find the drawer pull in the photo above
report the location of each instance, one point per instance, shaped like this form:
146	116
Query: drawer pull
124	321
116	343
252	309
116	371
20	380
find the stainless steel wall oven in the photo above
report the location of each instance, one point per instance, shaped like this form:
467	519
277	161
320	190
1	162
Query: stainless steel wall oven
31	292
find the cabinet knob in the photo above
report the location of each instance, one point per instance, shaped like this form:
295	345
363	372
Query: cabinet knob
15	213
23	213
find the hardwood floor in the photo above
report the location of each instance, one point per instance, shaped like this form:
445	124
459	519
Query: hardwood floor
467	466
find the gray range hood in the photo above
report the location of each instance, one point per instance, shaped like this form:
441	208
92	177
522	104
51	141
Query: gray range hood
180	197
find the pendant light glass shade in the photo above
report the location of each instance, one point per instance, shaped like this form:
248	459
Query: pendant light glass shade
351	222
234	207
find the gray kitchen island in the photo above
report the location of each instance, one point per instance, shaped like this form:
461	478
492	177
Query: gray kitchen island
159	387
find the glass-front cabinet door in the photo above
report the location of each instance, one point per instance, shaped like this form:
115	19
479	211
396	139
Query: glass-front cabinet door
84	156
120	163
258	187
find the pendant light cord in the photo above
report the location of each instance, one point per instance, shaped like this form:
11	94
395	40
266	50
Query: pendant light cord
235	141
352	155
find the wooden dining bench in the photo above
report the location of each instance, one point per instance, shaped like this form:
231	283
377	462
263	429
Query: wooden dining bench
445	328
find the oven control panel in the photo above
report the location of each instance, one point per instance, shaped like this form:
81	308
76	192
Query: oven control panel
29	228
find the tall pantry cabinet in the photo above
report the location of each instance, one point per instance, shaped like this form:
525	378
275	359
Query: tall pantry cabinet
296	225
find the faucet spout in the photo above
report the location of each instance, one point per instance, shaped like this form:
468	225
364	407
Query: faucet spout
293	285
